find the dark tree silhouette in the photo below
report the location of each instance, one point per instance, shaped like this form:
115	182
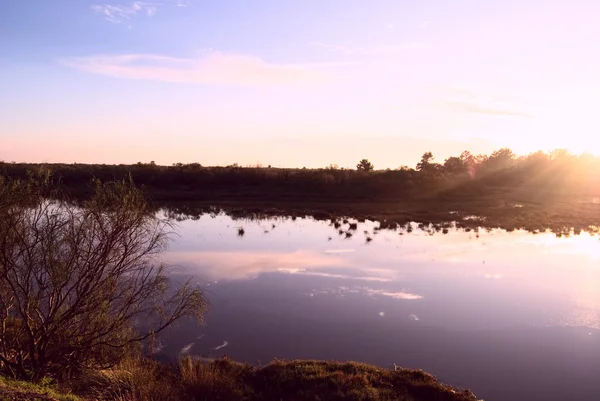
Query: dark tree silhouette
425	162
455	165
500	159
365	165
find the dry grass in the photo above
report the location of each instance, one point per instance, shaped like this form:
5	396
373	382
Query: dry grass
224	379
136	379
217	380
141	379
20	390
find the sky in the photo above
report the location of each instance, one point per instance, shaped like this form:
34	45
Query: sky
295	83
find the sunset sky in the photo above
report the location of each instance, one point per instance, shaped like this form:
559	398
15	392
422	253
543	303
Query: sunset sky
295	83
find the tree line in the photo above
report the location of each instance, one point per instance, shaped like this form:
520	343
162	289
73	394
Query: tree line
554	172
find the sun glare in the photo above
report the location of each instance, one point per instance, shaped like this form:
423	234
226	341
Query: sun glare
584	244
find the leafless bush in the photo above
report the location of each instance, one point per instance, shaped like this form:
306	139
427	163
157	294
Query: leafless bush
79	285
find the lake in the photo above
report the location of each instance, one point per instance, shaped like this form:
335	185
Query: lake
511	316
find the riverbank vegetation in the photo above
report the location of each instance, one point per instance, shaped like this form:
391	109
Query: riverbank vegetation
554	191
224	379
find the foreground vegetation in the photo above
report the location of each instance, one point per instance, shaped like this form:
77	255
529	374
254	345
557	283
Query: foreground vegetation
83	294
540	191
81	287
223	379
11	389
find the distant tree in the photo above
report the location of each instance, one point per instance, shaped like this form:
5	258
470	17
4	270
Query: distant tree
586	158
504	154
500	159
470	162
537	158
562	159
455	165
560	154
425	162
365	165
466	157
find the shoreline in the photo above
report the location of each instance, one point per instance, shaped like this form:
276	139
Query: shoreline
225	379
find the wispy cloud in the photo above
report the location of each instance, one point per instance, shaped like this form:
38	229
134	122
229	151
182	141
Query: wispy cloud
480	109
335	275
465	101
211	68
236	265
119	13
343	290
370	50
395	295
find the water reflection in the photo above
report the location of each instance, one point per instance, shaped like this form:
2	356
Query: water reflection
511	315
563	222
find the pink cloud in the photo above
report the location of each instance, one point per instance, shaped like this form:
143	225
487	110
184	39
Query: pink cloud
214	68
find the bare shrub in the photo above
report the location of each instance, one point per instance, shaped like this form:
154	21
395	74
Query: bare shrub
80	285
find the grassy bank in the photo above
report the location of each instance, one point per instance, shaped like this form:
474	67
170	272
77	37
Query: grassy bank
223	379
20	390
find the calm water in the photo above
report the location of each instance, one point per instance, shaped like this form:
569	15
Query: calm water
512	316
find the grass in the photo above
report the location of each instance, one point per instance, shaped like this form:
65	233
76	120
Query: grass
224	379
311	380
136	379
20	390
